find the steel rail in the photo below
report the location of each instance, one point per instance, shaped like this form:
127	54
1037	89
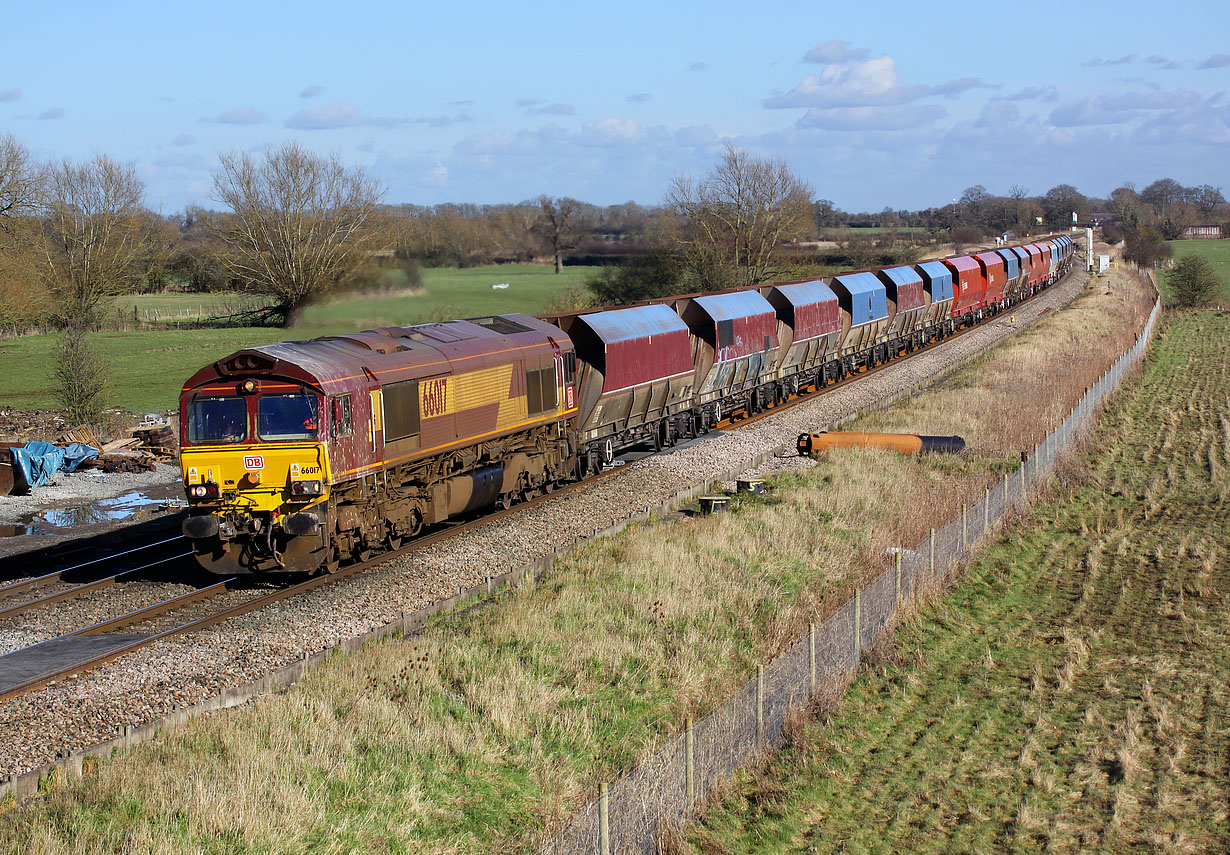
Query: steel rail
84	588
55	576
349	570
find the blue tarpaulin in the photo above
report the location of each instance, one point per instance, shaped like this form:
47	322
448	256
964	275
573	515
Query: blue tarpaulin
39	460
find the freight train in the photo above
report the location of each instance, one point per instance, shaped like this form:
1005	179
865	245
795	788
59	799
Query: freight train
301	456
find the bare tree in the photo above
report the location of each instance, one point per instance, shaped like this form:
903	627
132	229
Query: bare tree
739	215
98	233
97	236
20	182
557	224
300	224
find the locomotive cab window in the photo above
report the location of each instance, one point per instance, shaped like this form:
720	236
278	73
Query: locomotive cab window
287	417
570	367
540	392
343	421
213	420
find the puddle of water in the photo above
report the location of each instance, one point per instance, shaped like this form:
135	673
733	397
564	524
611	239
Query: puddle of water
55	520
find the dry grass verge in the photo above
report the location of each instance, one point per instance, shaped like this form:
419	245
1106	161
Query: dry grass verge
487	732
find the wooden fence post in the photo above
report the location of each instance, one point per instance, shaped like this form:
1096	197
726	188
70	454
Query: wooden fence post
858	621
690	745
604	821
811	656
931	564
898	600
760	707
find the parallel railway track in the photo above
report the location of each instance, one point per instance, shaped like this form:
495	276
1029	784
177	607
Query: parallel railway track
144	615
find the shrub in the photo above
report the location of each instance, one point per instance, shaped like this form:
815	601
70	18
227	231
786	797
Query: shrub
1193	282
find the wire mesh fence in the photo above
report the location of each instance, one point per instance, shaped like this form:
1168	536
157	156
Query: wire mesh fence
635	813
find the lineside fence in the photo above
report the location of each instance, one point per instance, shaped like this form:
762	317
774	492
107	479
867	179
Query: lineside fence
651	803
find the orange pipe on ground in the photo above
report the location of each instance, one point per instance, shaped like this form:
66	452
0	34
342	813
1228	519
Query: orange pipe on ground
904	443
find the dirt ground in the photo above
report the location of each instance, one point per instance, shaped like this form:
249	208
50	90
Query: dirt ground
83	503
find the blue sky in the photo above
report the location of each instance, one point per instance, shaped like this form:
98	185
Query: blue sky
873	104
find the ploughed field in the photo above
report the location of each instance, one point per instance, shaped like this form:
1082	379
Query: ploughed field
1074	693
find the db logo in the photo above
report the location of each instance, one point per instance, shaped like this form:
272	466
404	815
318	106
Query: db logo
568	398
254	461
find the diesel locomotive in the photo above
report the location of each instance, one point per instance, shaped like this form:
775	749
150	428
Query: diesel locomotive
300	456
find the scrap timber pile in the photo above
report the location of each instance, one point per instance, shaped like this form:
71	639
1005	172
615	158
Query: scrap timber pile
151	442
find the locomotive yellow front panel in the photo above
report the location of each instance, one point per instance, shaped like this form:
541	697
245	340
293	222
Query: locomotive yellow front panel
254	478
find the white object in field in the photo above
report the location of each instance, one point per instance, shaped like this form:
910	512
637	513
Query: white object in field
500	287
1089	249
1103	263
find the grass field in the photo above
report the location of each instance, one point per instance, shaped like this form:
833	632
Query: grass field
489	730
448	293
1074	694
1216	252
148	367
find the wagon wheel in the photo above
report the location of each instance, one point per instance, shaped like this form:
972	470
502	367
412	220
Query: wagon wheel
666	435
332	559
505	501
392	539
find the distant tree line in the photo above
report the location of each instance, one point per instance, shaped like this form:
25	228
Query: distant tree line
292	227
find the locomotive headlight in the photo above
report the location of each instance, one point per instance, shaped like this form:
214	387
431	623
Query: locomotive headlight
249	386
304	489
208	490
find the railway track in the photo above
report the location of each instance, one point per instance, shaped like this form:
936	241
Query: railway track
103	653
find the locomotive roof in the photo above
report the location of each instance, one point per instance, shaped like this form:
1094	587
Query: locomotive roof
389	353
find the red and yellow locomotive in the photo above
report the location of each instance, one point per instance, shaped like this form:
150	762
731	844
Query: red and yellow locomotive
299	455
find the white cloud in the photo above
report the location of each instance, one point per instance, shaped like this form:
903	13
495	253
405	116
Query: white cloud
1034	93
311	91
183	139
998	112
609	132
892	118
638	98
1205	124
53	113
552	110
1090	111
1217	60
834	51
1120	108
870	83
341	114
1098	62
240	116
10	94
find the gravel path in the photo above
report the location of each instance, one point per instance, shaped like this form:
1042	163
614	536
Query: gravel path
157	680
